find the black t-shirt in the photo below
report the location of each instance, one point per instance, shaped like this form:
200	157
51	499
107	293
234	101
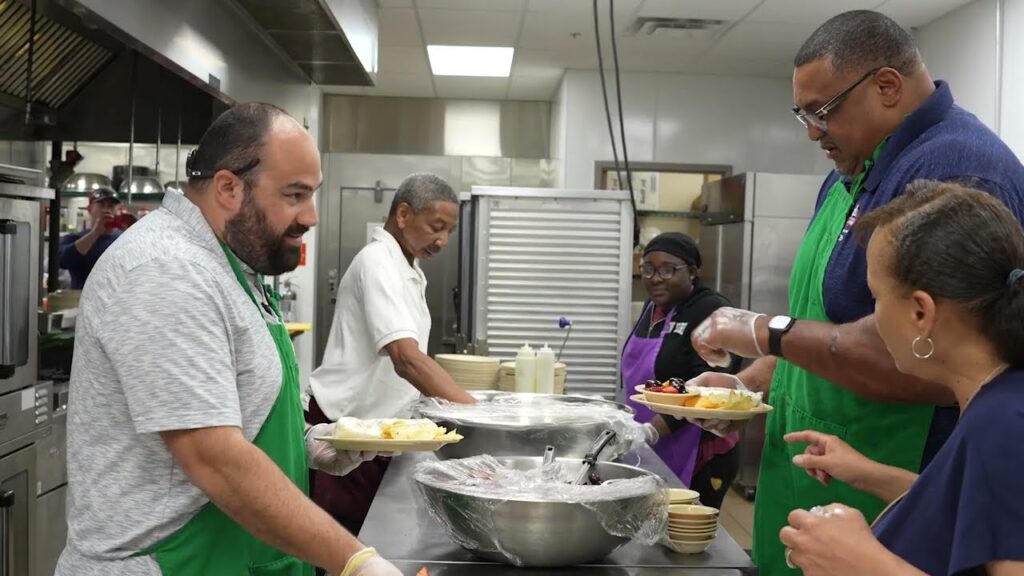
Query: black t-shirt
677	358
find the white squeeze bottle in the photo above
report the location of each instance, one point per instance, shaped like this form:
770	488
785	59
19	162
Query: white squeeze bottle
526	368
545	371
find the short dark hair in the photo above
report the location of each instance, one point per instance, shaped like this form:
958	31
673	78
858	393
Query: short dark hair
422	189
963	245
234	142
860	40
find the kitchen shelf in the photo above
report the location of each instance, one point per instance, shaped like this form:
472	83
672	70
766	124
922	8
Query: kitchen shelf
669	214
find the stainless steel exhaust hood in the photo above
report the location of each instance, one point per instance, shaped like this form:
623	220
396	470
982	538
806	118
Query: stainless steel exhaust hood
332	41
70	80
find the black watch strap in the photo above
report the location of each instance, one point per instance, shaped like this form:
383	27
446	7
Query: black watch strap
775	342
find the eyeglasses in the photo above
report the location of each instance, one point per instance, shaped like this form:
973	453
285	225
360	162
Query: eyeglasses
666	272
817	119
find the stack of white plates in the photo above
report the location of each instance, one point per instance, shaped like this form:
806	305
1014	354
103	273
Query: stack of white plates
507	377
471	372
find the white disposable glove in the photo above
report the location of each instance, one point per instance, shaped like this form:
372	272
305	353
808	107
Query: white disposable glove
367	562
651	435
727	330
720	428
323	456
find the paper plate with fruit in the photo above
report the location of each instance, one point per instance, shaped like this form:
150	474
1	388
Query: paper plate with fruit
710	404
390	435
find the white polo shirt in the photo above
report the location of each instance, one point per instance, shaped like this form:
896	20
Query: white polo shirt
381	299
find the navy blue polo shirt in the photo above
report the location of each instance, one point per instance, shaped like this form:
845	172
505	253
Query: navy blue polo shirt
938	141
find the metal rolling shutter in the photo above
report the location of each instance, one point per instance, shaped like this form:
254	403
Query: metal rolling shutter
543	254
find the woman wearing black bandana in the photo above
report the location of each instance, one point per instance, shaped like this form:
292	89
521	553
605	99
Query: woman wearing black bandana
659	348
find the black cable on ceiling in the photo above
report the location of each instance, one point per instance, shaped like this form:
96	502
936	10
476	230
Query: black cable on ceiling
622	123
608	117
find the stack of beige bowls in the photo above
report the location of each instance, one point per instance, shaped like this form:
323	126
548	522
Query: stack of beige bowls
507	377
471	372
691	527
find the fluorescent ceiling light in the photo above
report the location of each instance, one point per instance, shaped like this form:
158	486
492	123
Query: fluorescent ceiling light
493	61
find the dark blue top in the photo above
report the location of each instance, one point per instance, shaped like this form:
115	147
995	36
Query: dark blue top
939	141
967	508
78	264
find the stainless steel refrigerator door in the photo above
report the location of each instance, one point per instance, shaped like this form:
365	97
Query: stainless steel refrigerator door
775	242
734	275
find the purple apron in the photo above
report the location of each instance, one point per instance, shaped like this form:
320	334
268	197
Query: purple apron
679	450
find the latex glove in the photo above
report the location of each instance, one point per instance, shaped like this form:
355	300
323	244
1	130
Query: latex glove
728	330
651	435
827	457
367	562
377	566
720	428
323	456
833	541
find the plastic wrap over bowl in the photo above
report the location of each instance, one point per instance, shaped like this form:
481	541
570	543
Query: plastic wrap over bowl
514	511
507	424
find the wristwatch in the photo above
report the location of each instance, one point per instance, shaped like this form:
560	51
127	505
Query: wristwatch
777	327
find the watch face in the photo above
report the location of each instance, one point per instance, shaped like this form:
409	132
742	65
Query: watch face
779	322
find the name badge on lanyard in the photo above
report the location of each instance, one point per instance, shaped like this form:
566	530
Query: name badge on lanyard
854	215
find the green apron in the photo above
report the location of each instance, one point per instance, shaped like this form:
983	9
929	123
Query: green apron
211	542
891	433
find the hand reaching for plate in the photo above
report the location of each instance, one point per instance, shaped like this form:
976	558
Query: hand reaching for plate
720	428
323	456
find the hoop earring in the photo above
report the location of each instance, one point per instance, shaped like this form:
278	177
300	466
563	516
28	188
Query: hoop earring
924	355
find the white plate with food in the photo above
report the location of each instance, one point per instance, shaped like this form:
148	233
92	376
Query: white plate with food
702	413
390	435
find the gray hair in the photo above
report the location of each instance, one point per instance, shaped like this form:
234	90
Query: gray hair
422	189
860	40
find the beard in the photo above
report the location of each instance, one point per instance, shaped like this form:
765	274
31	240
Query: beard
251	238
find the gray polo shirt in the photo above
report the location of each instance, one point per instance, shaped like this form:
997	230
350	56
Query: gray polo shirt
167	339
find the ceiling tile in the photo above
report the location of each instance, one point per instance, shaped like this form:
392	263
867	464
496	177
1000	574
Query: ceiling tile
539	59
705	9
470	27
533	88
493	5
403	60
412	85
584	6
536	69
399	28
763	40
473	88
803	12
913	13
542	32
384	4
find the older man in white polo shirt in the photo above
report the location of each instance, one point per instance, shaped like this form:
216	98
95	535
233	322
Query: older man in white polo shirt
375	364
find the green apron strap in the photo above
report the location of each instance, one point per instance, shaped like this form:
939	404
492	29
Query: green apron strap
891	433
212	543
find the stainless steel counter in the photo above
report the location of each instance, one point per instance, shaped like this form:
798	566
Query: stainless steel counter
402	530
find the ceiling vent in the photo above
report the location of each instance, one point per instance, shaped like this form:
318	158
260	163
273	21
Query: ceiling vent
676	27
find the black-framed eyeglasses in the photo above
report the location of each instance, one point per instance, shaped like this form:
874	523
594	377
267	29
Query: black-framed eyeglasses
817	119
665	272
194	173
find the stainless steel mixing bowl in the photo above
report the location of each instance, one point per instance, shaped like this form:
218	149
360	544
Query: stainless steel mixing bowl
532	532
526	431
